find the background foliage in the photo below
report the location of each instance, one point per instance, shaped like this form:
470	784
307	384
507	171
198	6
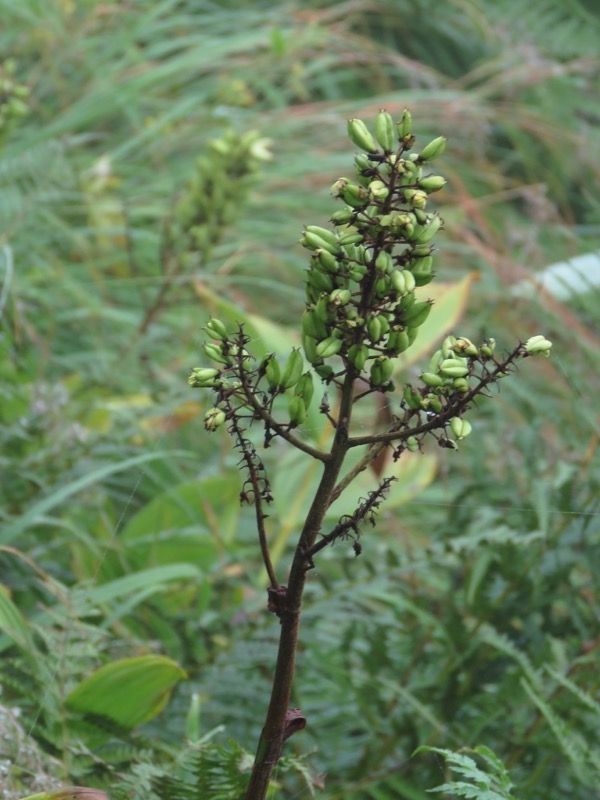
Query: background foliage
472	616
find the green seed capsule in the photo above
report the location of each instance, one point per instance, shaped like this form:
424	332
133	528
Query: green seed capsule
361	136
431	379
384	131
329	347
433	150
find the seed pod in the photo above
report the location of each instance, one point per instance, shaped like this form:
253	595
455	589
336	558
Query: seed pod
460	427
378	190
382	370
411	398
405	123
432	183
321	281
273	372
361	136
215	353
343	216
412	444
397	342
433	150
448	346
435	361
382	286
321	311
423	273
433	403
329	347
327	260
384	131
355	196
374	329
416	198
322	233
202	378
430	230
339	297
460	385
417	314
409	280
398	281
431	379
314	242
466	346
296	410
453	368
311	325
488	347
362	163
420	215
357	355
216	329
384	262
421	251
309	343
214	418
324	371
292	370
351	237
537	345
305	388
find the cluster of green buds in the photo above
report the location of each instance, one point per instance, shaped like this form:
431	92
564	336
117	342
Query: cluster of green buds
361	301
13	99
213	198
362	309
243	385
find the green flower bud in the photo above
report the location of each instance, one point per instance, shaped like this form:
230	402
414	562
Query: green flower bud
384	131
432	183
361	136
433	150
538	345
214	418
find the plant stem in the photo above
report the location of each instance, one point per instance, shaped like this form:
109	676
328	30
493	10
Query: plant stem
278	723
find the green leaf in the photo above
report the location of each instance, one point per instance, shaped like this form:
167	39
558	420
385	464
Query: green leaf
130	691
13	623
69	793
36	514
